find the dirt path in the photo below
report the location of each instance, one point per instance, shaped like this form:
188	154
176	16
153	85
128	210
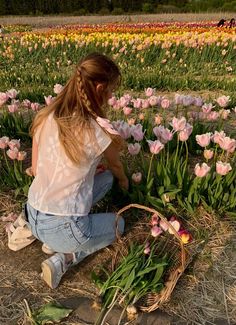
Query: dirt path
48	21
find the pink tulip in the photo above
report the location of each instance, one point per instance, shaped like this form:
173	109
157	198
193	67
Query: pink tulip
165	103
4	142
186	132
57	88
227	144
149	92
26	103
117	124
164	226
141	116
155	146
147	249
213	116
127	110
3	98
154	220
14	144
48	99
145	104
21	155
134	148
198	101
35	106
153	100
13	153
163	134
156	231
179	99
203	139
137	132
188	100
176	225
178	124
124	101
117	106
124	130
206	108
223	101
137	177
12	93
158	119
208	154
224	113
201	170
223	168
137	103
112	101
218	136
128	97
13	108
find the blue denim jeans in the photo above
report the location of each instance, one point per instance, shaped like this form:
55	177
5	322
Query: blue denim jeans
80	235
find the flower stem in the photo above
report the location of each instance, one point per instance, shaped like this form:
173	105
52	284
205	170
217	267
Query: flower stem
149	169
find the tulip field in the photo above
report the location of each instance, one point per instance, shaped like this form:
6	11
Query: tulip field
163	132
175	109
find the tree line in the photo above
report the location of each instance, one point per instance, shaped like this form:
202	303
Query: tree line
104	7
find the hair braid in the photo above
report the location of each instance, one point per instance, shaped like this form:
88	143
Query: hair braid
83	96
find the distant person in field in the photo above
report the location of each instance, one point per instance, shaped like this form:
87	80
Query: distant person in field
70	136
232	23
221	23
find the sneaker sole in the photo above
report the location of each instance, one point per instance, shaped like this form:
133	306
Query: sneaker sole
47	275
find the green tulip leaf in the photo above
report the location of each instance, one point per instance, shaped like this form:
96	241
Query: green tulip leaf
51	313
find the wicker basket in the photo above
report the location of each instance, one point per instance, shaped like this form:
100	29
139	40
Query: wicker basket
178	254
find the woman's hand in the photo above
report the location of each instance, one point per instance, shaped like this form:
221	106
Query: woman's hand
112	157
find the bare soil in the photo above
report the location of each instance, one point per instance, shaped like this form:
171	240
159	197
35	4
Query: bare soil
205	294
49	21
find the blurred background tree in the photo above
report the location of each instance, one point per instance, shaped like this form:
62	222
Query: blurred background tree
106	7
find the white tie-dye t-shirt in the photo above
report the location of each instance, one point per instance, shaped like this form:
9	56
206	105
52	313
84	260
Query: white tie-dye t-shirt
61	187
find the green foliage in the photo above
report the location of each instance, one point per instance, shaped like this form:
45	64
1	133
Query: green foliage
117	11
52	312
136	275
147	7
229	6
41	7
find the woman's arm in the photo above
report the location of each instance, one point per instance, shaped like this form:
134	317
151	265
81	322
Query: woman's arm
34	156
112	157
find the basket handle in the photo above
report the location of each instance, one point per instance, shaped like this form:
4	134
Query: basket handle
139	206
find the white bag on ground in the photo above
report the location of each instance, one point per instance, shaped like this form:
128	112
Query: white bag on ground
19	234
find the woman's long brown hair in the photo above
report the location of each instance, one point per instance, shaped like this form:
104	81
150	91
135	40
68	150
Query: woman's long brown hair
78	102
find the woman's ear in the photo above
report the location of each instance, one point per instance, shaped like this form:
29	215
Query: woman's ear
100	89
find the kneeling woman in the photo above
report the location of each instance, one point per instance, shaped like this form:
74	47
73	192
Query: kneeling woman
68	143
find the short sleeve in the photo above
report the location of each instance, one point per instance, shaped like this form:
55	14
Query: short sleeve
102	138
38	132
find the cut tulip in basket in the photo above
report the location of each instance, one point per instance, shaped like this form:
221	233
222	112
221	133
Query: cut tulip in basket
147	265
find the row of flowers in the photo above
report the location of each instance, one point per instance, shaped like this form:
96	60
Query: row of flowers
157	27
162	134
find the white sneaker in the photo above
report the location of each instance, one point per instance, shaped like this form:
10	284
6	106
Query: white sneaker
47	250
53	269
